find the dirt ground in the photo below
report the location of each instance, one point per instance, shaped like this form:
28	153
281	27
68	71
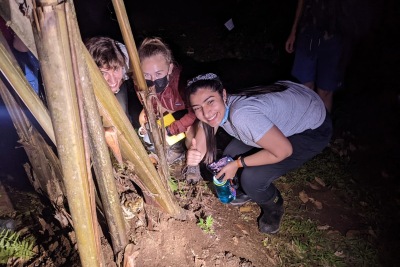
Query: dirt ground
364	200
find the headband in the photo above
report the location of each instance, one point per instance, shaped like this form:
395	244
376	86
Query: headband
204	77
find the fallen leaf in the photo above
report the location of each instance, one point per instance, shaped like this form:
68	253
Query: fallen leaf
318	204
333	232
319	180
323	227
352	233
339	254
303	196
314	186
244	209
245	232
364	204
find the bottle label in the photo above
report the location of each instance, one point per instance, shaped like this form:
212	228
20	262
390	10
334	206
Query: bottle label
218	182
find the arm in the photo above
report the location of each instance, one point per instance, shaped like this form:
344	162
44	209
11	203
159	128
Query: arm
276	147
183	124
292	37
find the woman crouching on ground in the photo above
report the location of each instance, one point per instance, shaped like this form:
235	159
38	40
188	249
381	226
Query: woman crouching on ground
276	129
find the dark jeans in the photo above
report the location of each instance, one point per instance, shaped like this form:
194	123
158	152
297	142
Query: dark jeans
256	181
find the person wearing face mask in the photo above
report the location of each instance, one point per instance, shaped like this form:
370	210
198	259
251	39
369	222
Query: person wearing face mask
160	71
112	59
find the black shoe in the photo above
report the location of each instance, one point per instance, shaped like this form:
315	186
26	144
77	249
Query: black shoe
240	199
273	210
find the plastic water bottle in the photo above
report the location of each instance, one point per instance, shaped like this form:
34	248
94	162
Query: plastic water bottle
225	190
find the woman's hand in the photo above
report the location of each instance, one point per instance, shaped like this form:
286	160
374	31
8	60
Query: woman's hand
289	46
229	171
193	156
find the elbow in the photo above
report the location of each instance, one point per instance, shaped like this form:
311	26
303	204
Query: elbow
288	152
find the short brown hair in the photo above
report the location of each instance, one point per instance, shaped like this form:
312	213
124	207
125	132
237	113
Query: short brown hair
105	52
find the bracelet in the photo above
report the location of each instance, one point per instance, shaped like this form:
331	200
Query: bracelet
238	163
243	163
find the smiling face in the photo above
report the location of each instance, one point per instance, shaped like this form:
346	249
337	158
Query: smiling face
113	76
156	67
208	105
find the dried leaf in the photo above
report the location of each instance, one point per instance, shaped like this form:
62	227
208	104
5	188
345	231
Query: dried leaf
244	209
318	204
303	196
319	180
352	233
245	232
323	227
314	186
339	254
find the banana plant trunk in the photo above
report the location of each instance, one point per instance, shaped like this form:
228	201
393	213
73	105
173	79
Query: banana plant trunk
54	53
158	136
99	151
16	78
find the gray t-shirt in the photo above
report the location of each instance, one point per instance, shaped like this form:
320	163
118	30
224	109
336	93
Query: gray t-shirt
293	111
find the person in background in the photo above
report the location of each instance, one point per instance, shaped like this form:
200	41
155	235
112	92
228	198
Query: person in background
317	42
27	61
289	125
161	71
112	59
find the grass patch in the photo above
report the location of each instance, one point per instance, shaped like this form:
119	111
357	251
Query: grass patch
300	242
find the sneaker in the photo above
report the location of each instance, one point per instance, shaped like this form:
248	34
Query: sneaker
241	198
192	174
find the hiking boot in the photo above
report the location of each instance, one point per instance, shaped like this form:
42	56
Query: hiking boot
175	152
270	220
241	198
192	174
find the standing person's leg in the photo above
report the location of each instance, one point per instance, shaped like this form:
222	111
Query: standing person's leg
305	60
328	72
